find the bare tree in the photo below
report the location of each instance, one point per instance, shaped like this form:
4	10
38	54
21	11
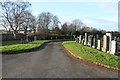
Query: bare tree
45	19
68	27
11	14
33	26
77	24
56	30
55	22
64	28
71	27
4	24
33	23
28	23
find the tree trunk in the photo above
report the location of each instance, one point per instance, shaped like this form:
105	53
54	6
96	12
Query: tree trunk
35	37
14	34
25	35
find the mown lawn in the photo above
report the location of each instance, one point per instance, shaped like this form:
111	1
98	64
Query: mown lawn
92	54
16	46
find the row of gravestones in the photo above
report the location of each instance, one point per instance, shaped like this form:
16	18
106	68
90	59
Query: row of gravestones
109	45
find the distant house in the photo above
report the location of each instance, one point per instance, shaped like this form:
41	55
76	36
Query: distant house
21	31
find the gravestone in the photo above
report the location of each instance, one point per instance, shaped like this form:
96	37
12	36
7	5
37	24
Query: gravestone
77	39
118	38
94	42
86	36
83	41
56	37
115	38
80	39
99	45
113	47
109	41
35	38
97	36
27	39
71	37
21	40
105	46
90	40
51	38
74	37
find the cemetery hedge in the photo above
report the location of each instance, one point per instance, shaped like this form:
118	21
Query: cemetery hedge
118	46
91	54
4	43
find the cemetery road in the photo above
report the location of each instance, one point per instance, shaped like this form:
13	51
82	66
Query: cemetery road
51	61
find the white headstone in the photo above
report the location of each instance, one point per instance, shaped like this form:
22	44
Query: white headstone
105	46
90	40
94	43
113	47
80	39
99	44
85	42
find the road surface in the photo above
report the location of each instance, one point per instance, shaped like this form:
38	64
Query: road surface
51	61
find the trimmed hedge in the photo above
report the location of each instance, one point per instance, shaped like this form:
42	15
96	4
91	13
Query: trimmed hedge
4	43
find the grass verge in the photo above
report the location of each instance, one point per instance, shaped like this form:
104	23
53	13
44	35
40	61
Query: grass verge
92	54
15	48
11	47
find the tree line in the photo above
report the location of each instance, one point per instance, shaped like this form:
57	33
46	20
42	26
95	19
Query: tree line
17	15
